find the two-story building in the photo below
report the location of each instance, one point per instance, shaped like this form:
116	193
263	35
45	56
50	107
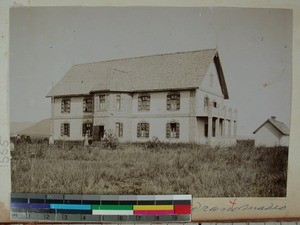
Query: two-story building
176	97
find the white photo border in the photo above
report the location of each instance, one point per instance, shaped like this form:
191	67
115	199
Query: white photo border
204	209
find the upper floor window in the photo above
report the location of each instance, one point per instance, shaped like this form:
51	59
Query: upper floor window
172	130
118	102
215	104
65	129
144	102
66	105
119	129
143	130
206	103
173	101
101	102
88	104
87	129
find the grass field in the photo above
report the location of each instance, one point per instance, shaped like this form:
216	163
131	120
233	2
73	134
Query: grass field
241	171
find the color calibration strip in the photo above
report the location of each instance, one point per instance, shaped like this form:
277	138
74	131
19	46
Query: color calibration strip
101	208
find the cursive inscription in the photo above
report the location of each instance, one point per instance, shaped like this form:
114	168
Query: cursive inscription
235	207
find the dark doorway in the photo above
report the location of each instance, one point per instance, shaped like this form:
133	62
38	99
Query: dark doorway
98	133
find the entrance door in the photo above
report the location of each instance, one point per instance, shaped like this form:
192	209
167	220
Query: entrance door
98	133
101	132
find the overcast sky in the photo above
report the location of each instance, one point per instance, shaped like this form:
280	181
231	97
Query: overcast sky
254	46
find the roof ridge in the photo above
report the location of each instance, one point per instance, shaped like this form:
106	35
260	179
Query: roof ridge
145	56
162	71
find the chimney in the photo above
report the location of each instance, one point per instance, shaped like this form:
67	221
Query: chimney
273	117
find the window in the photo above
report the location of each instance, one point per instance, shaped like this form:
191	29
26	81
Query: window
215	104
221	128
206	103
65	129
100	102
172	130
214	127
143	130
173	101
118	102
88	104
144	102
87	129
66	105
119	129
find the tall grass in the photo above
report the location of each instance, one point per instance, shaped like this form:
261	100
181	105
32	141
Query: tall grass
241	171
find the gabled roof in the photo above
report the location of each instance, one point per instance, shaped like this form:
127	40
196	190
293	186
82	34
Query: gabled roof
39	129
280	126
184	70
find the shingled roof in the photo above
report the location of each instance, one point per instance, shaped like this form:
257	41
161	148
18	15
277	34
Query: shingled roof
277	124
184	70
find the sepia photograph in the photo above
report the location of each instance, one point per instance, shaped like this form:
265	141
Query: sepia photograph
150	100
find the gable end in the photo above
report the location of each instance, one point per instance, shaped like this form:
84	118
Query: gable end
221	76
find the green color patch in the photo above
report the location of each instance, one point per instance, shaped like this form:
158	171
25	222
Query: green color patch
112	207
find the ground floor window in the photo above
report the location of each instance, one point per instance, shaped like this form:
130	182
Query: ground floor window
65	129
173	130
87	129
143	130
221	128
214	127
119	129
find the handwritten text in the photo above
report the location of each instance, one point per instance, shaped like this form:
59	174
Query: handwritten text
235	208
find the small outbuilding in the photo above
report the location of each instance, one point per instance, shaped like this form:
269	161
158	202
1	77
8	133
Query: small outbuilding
272	133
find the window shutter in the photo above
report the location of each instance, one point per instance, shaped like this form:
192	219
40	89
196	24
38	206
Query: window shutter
178	102
168	129
147	130
83	129
92	105
168	101
116	129
177	130
68	129
121	129
69	105
139	130
62	129
106	101
84	105
139	103
148	103
62	105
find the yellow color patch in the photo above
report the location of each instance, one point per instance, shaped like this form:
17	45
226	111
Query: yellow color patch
153	207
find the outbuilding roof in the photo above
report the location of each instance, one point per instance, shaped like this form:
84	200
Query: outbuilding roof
277	124
183	70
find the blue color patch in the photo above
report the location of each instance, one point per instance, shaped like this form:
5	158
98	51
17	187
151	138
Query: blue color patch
29	205
71	206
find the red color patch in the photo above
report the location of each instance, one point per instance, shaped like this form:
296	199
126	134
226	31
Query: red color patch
182	209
